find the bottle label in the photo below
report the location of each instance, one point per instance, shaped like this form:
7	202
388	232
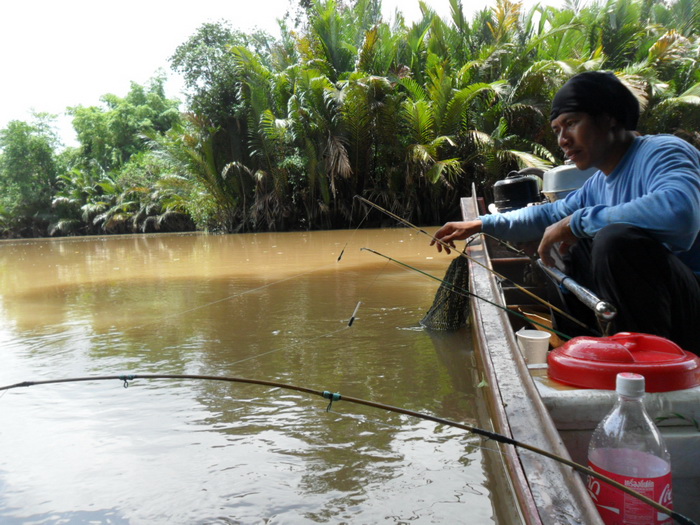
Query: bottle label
619	508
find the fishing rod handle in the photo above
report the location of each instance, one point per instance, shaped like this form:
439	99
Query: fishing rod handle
603	309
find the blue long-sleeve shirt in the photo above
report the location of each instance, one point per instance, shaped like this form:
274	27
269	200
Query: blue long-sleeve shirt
656	186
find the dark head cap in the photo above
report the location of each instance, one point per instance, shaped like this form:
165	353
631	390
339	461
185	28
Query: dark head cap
595	93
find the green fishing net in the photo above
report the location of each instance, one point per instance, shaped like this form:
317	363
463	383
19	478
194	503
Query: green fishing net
450	309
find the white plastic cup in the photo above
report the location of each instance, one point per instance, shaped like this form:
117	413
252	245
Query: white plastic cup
534	345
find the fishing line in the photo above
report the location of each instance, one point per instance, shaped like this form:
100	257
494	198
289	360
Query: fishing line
364	292
369	285
327	334
503	243
357	307
228	298
362	418
467	293
250	291
292	345
463	254
335	396
175	315
304	341
352	236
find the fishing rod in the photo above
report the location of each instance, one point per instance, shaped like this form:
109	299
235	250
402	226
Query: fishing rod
463	254
603	310
335	396
507	245
462	291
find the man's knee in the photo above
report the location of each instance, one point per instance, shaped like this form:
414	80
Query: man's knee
620	242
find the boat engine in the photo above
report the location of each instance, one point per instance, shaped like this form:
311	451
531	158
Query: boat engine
517	190
522	188
562	180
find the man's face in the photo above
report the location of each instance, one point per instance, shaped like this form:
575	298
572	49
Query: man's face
585	140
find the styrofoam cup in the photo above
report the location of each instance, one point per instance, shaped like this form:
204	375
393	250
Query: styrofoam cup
534	345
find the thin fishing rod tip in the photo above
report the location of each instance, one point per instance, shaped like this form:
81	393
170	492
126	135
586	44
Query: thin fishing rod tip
352	317
683	520
342	252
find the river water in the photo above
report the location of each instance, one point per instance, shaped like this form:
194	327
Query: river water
272	307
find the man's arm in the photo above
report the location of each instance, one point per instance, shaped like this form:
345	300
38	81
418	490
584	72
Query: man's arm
658	191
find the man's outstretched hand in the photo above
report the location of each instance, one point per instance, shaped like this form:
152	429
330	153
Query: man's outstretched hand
454	231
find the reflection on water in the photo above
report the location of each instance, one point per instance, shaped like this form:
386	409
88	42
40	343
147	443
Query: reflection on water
265	306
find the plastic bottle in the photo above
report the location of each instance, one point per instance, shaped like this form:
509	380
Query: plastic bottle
627	447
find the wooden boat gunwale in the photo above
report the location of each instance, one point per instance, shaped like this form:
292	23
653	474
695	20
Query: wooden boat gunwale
547	491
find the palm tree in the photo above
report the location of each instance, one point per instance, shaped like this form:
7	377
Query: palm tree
677	114
431	117
190	149
84	202
619	31
330	41
289	131
117	205
498	153
266	94
685	17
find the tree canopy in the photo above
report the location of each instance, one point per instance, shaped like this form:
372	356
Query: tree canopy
280	134
28	171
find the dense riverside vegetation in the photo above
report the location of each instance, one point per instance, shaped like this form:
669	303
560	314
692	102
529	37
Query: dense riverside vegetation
281	134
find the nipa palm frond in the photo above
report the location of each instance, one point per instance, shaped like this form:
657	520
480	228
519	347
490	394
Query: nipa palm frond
419	121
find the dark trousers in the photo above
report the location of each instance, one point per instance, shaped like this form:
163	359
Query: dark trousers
653	291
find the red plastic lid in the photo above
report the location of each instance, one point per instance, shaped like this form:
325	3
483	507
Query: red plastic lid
594	362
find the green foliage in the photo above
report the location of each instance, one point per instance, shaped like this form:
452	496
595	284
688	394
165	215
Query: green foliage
28	170
282	134
113	184
110	135
209	72
190	150
147	196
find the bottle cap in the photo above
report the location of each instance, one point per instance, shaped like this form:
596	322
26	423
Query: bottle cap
629	384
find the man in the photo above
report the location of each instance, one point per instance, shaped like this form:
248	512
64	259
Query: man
630	233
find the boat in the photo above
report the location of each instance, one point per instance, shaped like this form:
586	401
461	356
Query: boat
531	407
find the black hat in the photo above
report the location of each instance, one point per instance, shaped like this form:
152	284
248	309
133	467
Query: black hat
597	92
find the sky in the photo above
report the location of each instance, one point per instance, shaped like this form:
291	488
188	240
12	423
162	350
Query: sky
60	53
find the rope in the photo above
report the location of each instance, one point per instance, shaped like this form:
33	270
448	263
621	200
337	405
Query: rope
334	396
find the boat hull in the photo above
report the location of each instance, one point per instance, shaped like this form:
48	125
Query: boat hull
548	492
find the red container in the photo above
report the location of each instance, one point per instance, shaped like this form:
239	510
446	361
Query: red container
594	362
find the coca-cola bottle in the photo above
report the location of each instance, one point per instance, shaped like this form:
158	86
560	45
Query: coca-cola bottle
628	448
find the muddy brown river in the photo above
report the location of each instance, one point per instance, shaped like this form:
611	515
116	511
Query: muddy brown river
272	307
